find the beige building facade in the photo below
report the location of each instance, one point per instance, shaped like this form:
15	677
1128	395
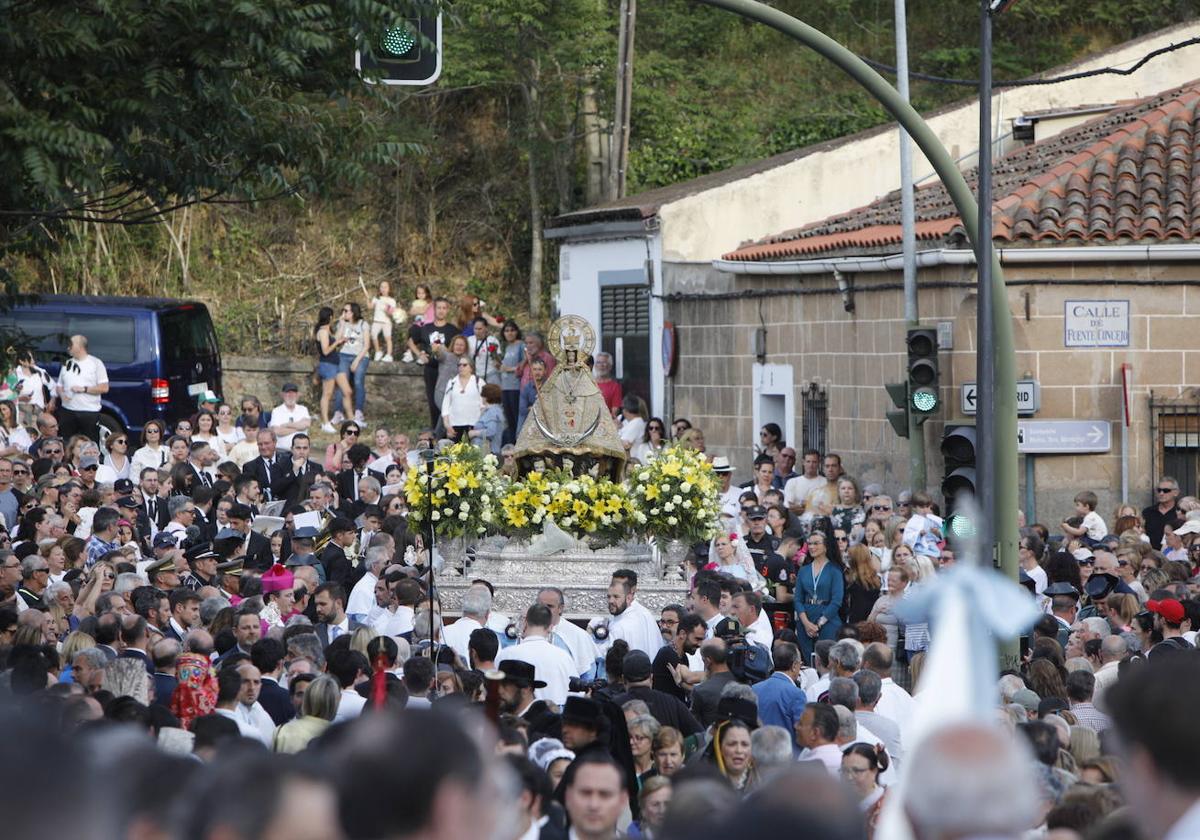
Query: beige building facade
839	361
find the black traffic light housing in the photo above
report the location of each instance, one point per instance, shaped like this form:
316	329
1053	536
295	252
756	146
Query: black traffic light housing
408	53
958	479
924	397
898	391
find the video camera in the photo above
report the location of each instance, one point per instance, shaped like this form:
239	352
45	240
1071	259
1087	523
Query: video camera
748	662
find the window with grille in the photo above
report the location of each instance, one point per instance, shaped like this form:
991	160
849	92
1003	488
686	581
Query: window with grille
815	428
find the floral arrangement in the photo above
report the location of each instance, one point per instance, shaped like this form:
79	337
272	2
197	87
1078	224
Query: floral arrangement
465	486
599	510
676	493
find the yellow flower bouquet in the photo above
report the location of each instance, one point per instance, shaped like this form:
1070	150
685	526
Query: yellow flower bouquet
676	495
600	511
465	487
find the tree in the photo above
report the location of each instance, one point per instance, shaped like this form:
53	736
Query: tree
118	111
548	56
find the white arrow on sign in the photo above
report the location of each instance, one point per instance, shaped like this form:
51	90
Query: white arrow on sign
1029	397
1095	435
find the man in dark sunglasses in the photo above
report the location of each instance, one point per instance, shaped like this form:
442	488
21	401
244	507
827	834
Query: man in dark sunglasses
1165	511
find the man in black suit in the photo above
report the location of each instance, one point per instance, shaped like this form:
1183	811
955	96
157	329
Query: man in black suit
135	635
667	709
348	480
333	622
516	698
267	656
301	469
255	548
270	469
199	454
338	568
165	655
154	508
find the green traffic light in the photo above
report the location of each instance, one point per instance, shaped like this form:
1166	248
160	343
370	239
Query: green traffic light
961	526
398	41
924	400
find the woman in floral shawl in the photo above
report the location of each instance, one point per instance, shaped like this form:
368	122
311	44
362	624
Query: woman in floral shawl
196	694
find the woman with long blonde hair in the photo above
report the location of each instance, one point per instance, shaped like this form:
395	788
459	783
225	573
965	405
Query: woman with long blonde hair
862	583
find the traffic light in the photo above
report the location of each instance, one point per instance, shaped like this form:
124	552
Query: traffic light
898	391
408	53
958	450
923	395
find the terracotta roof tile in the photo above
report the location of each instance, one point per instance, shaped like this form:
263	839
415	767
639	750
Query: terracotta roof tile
1132	174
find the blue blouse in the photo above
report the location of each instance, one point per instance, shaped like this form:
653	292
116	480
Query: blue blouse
822	597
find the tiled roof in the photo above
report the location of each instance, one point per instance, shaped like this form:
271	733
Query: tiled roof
1131	175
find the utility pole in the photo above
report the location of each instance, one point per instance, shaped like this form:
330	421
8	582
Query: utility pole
619	156
985	363
912	314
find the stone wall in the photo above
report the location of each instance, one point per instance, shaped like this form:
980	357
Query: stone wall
392	387
852	354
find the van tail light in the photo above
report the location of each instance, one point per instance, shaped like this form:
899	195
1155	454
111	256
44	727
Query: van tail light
160	391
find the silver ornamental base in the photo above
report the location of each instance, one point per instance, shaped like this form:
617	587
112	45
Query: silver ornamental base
583	575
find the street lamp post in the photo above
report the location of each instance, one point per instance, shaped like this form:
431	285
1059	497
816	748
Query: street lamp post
1003	492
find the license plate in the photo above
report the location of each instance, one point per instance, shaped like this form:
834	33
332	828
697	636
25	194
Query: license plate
198	389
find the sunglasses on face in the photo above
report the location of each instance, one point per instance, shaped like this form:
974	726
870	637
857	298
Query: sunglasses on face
1165	489
350	432
1091	561
881	507
20	472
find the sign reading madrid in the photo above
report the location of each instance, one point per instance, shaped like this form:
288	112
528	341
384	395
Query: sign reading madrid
1096	323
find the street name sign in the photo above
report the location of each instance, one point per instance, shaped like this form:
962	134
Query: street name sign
1029	397
1049	437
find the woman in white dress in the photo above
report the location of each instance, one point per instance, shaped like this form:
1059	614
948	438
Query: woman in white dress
152	452
462	403
229	434
205	429
117	462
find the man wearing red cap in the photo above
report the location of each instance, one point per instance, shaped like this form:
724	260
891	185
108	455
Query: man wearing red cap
1170	618
278	584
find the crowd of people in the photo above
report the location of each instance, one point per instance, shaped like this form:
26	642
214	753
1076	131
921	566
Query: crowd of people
231	634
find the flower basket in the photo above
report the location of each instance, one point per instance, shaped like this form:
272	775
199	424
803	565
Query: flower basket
676	496
464	487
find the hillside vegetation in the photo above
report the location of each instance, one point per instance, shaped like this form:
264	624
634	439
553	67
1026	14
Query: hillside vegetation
515	132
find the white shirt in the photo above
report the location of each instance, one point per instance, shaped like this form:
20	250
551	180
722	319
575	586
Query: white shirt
261	720
638	626
896	704
829	755
458	634
396	623
362	598
550	665
633	430
581	644
281	414
87	372
462	404
761	632
244	724
350	706
796	491
731	508
710	624
1106	675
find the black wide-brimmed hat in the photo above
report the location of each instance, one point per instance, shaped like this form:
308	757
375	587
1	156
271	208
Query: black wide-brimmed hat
584	711
521	673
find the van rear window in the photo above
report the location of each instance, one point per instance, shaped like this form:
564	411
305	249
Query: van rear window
110	338
187	334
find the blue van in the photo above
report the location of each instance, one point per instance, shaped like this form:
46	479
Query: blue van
161	354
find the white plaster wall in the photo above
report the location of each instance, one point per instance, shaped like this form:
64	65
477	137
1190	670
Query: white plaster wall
704	226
